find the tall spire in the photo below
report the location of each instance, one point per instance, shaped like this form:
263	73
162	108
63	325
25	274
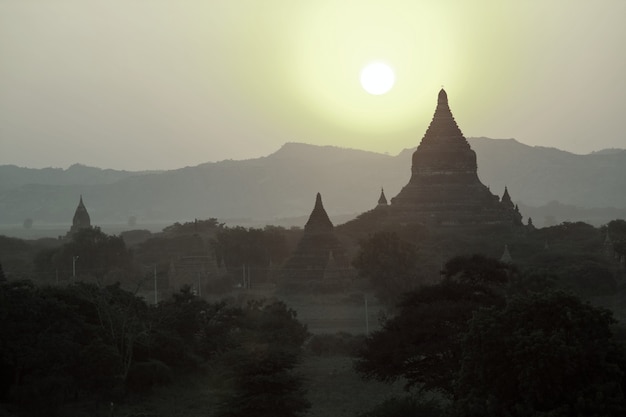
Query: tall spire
318	220
443	124
81	218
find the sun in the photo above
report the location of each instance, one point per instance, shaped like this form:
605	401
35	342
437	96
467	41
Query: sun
377	78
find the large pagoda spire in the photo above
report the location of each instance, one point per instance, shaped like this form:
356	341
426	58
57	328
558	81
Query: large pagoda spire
444	187
443	124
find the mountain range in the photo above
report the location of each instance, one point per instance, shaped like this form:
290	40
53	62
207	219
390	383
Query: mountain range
280	188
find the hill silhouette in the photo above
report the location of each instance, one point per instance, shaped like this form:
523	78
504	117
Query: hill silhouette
283	185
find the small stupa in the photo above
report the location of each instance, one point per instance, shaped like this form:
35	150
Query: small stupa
317	245
81	218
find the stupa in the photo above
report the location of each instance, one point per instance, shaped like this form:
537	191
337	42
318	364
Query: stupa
318	249
81	218
444	188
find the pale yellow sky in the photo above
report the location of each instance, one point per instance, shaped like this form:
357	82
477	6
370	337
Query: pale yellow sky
161	84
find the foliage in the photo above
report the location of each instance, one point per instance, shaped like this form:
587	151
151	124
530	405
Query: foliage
391	265
617	234
543	354
478	269
421	343
17	256
195	227
342	344
91	254
161	249
44	347
405	406
266	340
568	231
257	249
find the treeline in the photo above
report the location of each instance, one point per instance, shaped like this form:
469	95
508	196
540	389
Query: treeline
87	344
133	257
489	341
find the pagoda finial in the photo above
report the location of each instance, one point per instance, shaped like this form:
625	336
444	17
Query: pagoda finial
506	199
443	96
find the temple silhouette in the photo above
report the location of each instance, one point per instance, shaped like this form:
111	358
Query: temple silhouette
444	191
319	251
444	188
81	219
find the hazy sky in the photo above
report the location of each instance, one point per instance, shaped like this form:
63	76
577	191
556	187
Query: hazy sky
160	84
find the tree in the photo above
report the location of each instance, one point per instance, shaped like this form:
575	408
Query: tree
238	247
421	343
390	264
543	354
266	341
90	253
478	269
48	351
121	319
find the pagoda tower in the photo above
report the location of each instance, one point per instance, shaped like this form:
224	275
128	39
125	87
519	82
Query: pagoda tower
317	245
444	188
81	218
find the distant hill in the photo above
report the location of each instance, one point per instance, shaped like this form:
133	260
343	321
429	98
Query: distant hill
538	175
283	185
12	176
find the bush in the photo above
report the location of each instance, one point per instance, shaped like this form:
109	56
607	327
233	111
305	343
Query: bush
341	343
142	376
406	407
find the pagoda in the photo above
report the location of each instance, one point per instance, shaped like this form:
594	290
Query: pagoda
444	188
318	249
81	218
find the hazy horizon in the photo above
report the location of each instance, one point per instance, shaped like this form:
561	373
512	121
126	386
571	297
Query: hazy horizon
166	84
66	167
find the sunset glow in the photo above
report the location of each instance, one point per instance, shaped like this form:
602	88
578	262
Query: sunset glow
125	84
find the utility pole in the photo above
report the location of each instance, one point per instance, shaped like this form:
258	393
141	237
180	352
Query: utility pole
74	258
156	297
367	317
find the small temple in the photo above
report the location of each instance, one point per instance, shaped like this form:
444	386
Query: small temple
81	218
319	250
444	188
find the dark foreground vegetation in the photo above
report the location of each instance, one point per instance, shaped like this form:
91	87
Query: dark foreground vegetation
82	344
489	347
464	334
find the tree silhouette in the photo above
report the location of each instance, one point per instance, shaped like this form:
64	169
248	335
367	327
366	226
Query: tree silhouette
543	354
